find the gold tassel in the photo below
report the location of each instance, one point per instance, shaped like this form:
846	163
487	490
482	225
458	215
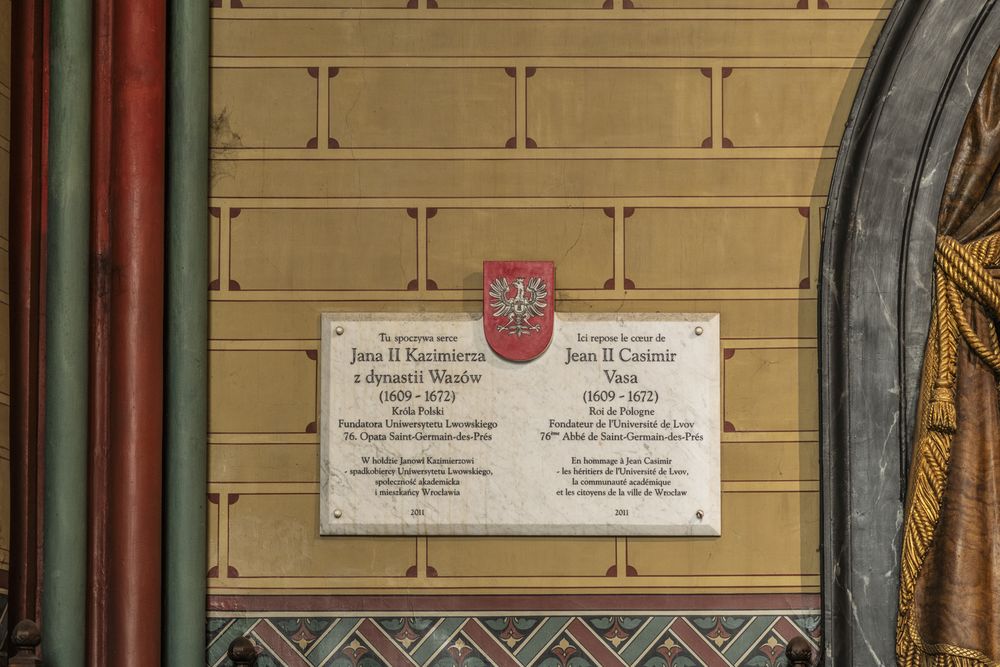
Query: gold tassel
941	414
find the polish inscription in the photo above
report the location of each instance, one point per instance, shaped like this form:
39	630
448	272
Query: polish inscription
614	430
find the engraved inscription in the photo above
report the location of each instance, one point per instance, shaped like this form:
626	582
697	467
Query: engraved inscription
614	430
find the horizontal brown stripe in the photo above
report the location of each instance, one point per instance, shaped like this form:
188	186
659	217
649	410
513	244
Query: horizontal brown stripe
778	602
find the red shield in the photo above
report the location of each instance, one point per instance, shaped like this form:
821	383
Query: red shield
519	307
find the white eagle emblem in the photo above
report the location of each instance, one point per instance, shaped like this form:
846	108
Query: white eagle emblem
527	303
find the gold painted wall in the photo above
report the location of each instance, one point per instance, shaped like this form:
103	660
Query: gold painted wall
668	155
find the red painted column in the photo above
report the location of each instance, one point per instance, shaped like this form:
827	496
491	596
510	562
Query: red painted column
100	322
136	363
26	197
43	233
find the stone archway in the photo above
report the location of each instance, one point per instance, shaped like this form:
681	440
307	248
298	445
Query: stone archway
875	301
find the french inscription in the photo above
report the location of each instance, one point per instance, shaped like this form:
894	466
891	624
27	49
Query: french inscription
614	430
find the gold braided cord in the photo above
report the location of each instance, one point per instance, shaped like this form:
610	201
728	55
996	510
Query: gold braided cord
987	353
961	276
941	406
969	267
924	654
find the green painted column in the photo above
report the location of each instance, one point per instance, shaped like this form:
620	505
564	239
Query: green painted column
67	294
186	417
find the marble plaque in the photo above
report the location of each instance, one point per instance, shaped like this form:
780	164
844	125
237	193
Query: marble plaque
613	430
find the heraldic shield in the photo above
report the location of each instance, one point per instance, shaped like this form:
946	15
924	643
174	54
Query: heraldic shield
519	307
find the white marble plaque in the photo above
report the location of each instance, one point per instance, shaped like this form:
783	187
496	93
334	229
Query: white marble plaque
614	430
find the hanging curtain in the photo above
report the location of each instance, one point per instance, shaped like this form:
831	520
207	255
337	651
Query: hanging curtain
950	569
